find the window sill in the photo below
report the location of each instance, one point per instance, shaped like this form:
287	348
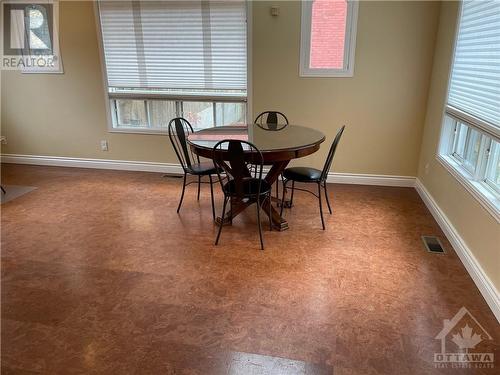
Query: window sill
208	97
142	131
481	193
151	131
325	73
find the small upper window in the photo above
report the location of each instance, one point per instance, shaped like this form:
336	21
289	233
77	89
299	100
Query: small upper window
328	38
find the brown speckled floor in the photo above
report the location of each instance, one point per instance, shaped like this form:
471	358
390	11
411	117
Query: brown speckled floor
100	275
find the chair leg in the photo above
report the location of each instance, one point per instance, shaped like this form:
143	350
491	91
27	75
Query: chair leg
212	195
231	209
291	197
320	206
270	218
327	199
182	194
259	223
283	197
222	220
277	187
199	184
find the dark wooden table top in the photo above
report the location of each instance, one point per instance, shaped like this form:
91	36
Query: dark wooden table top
291	142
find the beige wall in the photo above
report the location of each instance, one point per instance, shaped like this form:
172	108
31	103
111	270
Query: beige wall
476	226
383	105
64	114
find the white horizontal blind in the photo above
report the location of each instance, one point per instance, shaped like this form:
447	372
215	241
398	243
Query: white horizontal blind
198	45
475	77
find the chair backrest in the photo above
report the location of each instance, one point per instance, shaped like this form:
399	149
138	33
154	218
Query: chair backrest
240	161
178	130
331	154
271	120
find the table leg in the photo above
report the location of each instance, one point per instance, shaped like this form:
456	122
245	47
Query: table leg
237	208
272	176
278	222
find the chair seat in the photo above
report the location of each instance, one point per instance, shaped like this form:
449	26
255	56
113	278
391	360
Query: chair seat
250	187
302	174
202	169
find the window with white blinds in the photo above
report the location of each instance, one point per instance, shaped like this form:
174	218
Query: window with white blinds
474	93
180	46
469	147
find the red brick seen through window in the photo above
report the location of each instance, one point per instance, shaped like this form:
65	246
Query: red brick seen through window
328	25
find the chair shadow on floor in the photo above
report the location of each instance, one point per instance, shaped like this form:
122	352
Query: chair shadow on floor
14	191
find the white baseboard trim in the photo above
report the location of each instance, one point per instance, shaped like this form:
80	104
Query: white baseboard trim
57	161
173	168
370	179
482	281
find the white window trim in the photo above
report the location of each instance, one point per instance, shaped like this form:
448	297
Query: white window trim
108	97
482	194
477	189
475	122
349	48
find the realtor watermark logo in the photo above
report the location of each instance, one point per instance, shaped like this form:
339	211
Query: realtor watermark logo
461	339
30	36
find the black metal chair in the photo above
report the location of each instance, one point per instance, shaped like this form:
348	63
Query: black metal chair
311	175
271	120
178	131
233	157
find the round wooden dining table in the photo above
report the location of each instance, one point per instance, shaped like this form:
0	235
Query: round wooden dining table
278	147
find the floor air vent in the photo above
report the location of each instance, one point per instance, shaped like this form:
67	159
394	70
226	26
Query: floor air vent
432	244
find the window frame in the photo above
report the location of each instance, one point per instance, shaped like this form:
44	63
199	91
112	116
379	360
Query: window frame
110	96
349	43
493	159
474	181
179	109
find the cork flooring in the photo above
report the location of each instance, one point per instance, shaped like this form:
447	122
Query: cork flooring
100	275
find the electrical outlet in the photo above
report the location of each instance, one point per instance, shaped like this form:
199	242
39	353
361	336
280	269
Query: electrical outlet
275	11
3	140
104	145
426	169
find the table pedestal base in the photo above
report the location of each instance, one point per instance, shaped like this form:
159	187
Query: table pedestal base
277	221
